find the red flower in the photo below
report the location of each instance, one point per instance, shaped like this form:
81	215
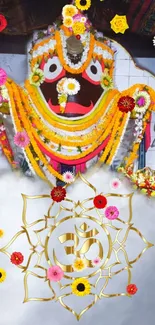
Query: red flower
131	289
3	23
17	258
58	194
126	104
100	202
78	37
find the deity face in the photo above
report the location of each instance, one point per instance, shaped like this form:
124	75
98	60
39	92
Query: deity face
89	91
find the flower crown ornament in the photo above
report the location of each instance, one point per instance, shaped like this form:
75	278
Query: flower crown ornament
73	18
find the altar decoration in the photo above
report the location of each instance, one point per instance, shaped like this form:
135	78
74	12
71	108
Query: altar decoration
77	248
68	115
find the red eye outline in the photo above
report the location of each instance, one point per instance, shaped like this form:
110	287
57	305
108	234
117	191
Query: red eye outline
85	75
61	75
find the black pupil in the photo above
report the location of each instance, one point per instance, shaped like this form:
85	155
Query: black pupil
0	275
93	69
83	2
80	287
53	67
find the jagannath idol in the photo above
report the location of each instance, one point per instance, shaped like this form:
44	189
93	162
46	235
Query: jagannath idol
69	115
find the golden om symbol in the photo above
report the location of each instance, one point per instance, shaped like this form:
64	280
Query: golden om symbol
90	240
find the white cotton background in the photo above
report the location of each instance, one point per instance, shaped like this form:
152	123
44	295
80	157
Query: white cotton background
119	311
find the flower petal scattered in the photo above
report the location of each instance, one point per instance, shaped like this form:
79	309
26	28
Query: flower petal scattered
84	6
81	287
100	202
96	261
58	194
55	273
69	11
79	265
2	275
115	183
17	258
3	23
68	177
1	233
119	24
131	289
111	213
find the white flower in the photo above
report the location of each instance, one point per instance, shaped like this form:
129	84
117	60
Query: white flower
153	40
83	19
71	86
68	177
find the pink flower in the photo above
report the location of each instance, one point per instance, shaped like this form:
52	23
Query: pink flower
115	183
55	273
2	128
96	261
68	177
111	213
141	101
3	77
21	139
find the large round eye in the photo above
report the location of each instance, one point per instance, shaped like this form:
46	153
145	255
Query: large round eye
93	72
53	69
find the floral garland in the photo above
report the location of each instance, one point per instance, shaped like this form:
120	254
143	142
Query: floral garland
19	127
66	62
73	140
143	179
64	124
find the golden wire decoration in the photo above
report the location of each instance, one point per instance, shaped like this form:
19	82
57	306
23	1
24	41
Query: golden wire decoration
72	229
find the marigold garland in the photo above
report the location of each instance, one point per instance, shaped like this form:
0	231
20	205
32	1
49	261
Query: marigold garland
60	54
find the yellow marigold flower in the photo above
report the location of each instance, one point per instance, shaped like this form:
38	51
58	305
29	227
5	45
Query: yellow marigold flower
119	24
69	11
68	21
81	287
2	275
78	28
79	265
81	6
1	233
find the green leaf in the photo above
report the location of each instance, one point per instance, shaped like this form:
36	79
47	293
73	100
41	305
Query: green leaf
46	140
79	149
59	147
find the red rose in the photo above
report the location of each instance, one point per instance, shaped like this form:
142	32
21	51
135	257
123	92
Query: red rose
3	23
131	289
126	104
100	202
17	258
58	194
